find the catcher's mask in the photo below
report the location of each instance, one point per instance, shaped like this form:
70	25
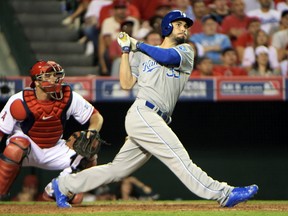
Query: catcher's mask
50	76
166	24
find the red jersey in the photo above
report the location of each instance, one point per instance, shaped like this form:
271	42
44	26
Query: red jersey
244	40
232	21
230	71
196	73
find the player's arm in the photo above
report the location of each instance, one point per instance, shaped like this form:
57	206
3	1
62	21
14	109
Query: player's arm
96	121
166	56
127	80
13	112
1	135
84	112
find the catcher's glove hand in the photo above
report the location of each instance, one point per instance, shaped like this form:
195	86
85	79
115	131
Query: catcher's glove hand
87	147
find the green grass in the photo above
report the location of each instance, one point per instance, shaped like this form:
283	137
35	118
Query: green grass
185	213
147	208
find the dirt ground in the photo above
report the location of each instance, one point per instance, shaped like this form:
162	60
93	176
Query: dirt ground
50	208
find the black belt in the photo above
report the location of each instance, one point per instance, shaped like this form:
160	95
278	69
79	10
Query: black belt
163	115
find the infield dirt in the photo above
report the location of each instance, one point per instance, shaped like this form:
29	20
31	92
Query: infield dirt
51	208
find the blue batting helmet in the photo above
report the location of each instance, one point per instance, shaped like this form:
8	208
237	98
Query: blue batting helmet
166	26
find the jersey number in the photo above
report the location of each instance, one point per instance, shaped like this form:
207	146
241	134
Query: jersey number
173	73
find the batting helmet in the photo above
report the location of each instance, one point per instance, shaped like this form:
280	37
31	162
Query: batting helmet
166	25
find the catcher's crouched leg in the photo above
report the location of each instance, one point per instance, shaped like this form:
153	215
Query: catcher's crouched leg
10	162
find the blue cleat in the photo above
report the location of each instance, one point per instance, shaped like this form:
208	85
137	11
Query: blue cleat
61	199
241	194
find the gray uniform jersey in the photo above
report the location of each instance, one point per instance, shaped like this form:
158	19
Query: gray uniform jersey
159	84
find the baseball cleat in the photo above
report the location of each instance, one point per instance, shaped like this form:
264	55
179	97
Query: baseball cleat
61	199
241	194
48	195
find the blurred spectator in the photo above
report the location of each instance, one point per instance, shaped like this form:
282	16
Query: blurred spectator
153	24
69	6
235	24
75	19
204	67
284	67
147	8
163	7
280	42
199	10
153	38
269	17
282	5
283	24
251	5
220	10
184	6
208	3
109	31
261	66
90	27
108	10
229	66
261	38
247	38
101	193
198	50
213	43
29	191
131	188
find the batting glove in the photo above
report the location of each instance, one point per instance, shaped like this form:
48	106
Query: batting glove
123	40
134	44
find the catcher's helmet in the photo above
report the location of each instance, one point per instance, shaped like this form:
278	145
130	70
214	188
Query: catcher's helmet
40	70
42	67
166	26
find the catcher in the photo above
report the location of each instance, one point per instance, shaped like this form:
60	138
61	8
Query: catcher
34	120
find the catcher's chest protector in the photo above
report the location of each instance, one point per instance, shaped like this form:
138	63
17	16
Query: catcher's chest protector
46	117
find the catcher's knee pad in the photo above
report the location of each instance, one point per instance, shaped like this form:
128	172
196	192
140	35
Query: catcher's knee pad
11	160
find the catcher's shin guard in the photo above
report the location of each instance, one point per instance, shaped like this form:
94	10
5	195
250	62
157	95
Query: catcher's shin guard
10	162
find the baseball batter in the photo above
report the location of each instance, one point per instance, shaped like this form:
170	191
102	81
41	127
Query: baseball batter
34	120
161	73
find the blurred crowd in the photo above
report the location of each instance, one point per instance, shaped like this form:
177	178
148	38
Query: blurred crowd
230	37
129	188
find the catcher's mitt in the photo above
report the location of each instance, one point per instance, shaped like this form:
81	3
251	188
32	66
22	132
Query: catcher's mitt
87	147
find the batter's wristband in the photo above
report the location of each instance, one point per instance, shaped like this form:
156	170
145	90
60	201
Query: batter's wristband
138	44
126	49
